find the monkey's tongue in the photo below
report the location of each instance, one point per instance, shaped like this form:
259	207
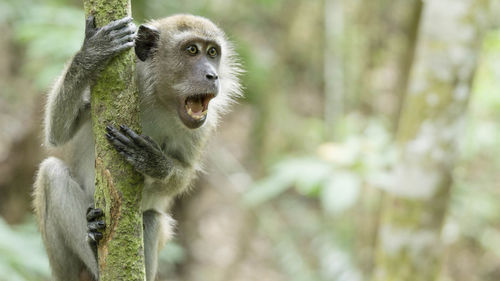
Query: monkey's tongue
195	104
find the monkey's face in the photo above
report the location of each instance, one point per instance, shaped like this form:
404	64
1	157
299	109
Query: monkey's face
186	51
196	79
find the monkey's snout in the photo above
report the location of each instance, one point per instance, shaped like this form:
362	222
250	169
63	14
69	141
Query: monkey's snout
212	76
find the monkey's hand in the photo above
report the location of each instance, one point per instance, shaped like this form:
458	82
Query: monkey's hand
142	152
95	224
101	44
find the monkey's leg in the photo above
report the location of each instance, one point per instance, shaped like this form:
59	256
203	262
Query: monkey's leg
157	231
60	203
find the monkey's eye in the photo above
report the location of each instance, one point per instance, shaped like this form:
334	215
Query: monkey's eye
192	50
212	52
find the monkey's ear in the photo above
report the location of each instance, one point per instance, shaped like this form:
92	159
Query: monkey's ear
146	40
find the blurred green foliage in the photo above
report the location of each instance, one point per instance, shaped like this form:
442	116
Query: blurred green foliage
335	173
50	33
314	190
338	173
22	256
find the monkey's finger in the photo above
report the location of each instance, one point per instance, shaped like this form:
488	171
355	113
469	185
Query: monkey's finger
95	236
96	226
126	39
120	142
112	130
128	30
116	24
125	151
121	147
114	134
130	133
90	22
94	213
123	39
134	136
124	47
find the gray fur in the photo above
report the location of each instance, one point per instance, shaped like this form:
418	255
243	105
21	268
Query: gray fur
64	186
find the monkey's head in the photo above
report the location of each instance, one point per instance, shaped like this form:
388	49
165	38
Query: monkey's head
188	66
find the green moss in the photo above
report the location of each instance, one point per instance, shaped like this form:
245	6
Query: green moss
118	186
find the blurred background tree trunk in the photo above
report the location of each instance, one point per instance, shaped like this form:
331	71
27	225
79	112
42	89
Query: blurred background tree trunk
380	50
388	52
334	66
409	244
20	115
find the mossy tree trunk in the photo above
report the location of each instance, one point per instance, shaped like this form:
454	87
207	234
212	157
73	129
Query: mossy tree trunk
118	186
409	246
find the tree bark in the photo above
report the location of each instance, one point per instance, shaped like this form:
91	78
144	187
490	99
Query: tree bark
409	246
118	186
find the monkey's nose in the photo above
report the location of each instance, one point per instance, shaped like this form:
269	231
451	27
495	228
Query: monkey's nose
212	76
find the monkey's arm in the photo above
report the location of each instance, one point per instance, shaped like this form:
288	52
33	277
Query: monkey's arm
143	153
67	107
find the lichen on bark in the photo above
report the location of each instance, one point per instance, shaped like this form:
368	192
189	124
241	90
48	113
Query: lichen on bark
114	101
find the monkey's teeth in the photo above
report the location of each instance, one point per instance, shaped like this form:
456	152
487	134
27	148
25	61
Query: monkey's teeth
196	116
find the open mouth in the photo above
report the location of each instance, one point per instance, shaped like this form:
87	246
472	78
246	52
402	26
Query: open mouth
195	109
197	105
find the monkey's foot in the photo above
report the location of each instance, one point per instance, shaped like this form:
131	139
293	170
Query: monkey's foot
95	224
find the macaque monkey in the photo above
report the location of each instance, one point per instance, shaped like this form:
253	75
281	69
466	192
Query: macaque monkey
187	75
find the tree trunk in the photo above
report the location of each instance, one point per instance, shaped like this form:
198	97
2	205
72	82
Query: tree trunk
409	246
118	186
390	44
386	56
334	66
